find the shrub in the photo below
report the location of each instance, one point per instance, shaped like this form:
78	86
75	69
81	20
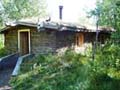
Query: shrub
53	72
1	45
3	52
106	68
71	71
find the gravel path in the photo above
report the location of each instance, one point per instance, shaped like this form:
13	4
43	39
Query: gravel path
4	79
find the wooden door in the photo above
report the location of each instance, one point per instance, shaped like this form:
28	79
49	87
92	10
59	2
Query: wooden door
24	43
79	39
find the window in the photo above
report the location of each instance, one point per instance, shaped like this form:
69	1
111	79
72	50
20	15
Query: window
79	39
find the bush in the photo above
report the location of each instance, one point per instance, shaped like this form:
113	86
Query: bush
1	45
53	72
108	60
106	68
3	52
71	71
103	82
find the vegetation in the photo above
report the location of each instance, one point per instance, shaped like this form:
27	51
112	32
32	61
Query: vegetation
1	44
106	68
1	41
3	52
71	71
108	13
107	60
19	9
53	73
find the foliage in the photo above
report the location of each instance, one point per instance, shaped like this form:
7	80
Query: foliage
106	68
103	82
108	13
17	9
3	52
1	41
53	73
1	45
71	71
108	59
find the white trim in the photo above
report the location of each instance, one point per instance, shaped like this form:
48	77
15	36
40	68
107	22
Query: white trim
24	30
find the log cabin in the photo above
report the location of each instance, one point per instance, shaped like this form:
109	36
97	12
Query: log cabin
50	37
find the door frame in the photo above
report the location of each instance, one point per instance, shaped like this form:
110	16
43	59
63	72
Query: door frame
24	30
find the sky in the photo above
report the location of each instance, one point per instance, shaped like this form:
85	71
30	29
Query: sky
72	9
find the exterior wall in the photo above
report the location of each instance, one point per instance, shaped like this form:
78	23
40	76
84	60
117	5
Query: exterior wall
43	42
58	42
51	41
11	41
88	41
47	41
64	40
89	37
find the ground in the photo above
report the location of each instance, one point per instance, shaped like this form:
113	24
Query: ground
4	79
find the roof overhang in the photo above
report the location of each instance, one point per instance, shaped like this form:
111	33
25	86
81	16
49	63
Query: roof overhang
14	24
59	26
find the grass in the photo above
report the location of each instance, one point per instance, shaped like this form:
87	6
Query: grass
70	71
52	72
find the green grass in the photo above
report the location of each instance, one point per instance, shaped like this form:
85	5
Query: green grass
52	72
70	71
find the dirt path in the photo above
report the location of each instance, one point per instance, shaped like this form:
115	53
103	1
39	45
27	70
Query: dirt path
4	79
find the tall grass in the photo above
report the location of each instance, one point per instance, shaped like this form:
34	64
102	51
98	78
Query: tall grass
71	71
53	72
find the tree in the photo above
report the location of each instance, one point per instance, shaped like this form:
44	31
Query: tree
108	12
18	9
107	58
